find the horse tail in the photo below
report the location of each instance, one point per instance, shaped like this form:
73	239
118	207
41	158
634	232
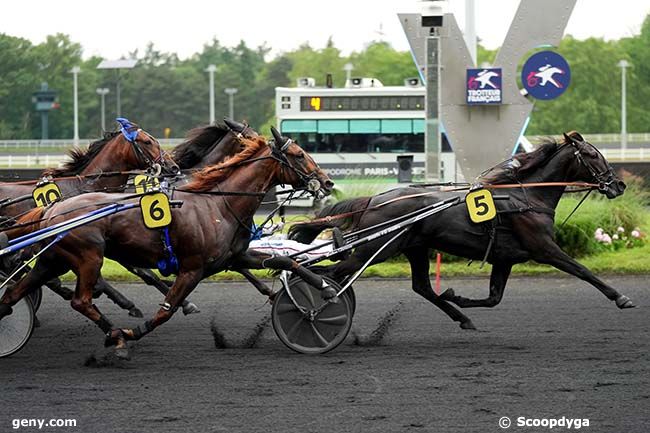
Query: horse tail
26	224
306	232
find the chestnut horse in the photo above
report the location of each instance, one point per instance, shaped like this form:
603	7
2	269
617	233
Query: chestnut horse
522	231
209	234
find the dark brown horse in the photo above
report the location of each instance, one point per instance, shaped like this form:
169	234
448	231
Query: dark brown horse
208	234
522	231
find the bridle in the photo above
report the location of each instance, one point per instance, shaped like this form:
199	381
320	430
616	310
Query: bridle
142	157
604	178
309	180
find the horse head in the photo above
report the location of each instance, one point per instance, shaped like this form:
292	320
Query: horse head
146	150
593	167
299	168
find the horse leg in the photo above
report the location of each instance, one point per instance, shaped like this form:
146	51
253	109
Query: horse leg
35	278
88	273
498	280
419	260
553	255
118	298
182	287
57	287
152	279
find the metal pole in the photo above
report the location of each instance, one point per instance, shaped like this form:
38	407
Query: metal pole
44	126
211	70
102	92
623	64
432	140
117	95
470	28
75	71
230	91
103	95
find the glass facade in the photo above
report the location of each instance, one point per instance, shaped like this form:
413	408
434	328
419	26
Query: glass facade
357	135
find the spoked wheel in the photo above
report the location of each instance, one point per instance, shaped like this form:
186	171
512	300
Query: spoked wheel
16	329
311	325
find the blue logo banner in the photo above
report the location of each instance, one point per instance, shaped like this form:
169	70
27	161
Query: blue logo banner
484	86
546	75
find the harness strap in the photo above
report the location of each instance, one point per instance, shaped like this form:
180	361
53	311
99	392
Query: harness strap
537	209
169	264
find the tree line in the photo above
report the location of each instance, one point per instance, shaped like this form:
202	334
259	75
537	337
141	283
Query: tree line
164	91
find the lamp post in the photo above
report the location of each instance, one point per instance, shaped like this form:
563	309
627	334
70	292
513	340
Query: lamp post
230	91
75	71
348	68
102	92
623	64
211	70
118	64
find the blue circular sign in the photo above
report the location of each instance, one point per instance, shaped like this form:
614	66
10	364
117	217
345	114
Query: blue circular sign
546	75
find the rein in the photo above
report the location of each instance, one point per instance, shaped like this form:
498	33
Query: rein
464	188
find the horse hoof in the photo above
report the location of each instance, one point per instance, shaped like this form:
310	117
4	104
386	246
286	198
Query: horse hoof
468	325
190	308
135	312
328	294
624	302
448	295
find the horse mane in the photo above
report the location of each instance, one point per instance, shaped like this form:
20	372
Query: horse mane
207	178
199	143
80	158
522	164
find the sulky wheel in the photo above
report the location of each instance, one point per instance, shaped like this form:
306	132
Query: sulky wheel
16	329
36	297
313	326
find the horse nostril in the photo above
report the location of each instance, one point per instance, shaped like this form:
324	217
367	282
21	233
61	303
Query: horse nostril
329	184
621	185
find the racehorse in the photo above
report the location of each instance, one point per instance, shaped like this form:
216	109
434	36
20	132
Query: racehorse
208	234
522	231
204	146
104	166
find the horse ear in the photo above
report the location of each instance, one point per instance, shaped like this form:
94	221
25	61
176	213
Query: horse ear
233	125
277	136
567	139
575	136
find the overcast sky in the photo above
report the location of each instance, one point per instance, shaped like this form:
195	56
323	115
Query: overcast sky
113	28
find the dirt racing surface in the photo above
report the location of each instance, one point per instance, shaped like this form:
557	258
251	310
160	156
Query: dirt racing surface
554	348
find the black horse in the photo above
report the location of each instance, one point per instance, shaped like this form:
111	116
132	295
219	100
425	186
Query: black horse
522	230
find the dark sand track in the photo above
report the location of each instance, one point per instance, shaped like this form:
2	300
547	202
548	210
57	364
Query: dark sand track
554	347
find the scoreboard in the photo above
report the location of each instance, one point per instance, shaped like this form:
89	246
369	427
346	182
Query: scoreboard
362	103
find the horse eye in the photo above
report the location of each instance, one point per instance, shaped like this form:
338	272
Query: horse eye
301	155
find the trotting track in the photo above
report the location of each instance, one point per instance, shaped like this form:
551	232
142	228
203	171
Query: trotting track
554	347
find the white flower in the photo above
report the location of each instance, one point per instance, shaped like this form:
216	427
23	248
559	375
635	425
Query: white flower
615	237
599	237
620	230
636	234
606	239
599	231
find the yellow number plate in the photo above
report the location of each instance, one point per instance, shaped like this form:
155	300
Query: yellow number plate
46	194
480	205
156	211
144	183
